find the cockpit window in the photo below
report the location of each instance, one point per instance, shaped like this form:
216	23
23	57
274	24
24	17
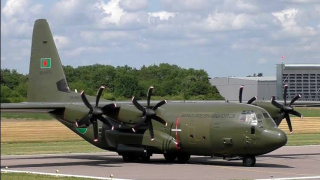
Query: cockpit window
260	118
266	115
269	120
249	117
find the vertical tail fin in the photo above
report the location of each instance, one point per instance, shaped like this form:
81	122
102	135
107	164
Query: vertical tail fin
47	81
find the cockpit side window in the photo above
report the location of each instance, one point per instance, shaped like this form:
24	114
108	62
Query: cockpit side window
269	120
249	117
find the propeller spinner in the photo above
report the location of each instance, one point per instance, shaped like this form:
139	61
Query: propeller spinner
148	113
95	113
285	109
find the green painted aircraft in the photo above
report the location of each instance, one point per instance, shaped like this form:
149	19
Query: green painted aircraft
136	130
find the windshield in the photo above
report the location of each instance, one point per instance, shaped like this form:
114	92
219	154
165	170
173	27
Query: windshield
259	118
249	117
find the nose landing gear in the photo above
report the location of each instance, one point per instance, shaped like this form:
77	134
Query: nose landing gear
249	161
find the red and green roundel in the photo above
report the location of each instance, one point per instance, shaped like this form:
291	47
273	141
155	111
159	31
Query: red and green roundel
45	63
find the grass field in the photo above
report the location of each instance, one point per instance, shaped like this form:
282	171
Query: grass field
309	111
26	148
26	176
26	116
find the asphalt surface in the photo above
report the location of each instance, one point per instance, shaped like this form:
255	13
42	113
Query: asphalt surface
286	162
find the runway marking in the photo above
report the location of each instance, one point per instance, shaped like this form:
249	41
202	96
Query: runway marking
293	178
262	171
61	175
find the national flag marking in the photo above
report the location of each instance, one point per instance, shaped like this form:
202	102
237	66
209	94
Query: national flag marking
45	63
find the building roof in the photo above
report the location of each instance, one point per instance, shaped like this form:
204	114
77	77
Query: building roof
270	78
302	65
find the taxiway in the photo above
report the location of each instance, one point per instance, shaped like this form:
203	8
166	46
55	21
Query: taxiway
286	162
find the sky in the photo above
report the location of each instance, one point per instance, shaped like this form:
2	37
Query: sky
225	38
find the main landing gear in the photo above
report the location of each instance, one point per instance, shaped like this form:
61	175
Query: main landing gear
249	161
182	157
131	157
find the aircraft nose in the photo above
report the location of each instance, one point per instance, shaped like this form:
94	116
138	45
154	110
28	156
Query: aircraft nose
276	138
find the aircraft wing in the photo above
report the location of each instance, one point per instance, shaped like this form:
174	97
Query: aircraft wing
32	106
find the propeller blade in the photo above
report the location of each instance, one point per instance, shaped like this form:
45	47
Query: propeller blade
137	105
276	104
159	104
160	120
95	130
149	96
240	93
85	100
296	113
84	120
99	95
105	121
251	100
139	123
285	94
294	99
289	122
151	131
280	117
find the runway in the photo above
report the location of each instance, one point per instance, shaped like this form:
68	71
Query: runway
286	162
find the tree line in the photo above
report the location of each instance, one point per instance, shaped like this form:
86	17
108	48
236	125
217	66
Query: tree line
169	81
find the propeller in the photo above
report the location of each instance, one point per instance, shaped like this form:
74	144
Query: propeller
286	109
240	96
94	114
148	113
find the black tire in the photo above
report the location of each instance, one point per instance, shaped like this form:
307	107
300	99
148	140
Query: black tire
144	158
128	158
170	157
249	161
183	157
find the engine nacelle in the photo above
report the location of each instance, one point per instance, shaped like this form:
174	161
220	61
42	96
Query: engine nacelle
74	113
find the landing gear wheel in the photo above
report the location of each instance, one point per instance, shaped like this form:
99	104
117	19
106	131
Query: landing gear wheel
144	158
170	157
183	157
249	161
128	158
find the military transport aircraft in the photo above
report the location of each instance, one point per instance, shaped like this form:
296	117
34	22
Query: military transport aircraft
136	130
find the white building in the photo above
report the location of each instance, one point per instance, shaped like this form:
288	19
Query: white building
261	87
303	79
